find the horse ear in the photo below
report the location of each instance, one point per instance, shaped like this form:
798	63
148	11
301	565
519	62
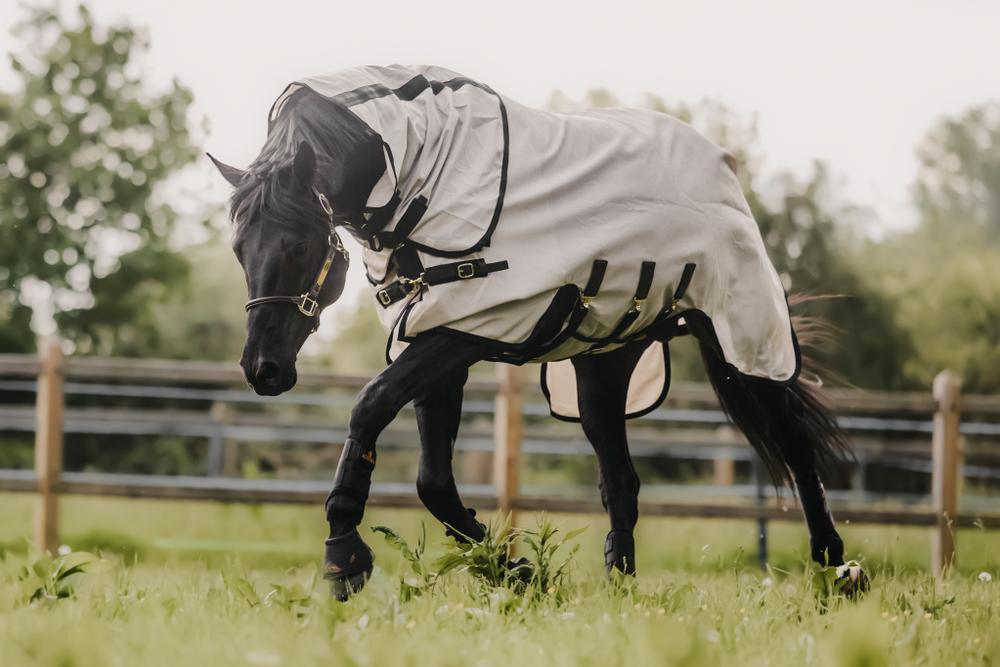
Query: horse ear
305	164
231	174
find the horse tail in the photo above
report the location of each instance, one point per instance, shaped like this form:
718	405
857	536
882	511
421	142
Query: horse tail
780	419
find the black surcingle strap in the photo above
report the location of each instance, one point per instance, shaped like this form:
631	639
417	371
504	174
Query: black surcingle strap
682	285
638	301
593	286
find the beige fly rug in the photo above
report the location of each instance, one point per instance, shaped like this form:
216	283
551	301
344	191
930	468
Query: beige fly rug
548	235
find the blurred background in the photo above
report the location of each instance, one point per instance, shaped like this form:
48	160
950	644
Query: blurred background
868	141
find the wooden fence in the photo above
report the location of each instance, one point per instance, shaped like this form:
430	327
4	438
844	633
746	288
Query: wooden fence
51	370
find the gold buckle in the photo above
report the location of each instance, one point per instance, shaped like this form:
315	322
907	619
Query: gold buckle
638	304
308	306
585	300
384	298
466	270
413	285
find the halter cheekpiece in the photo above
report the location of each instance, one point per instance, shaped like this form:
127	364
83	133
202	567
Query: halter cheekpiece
308	302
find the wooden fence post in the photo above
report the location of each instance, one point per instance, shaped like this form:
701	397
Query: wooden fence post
946	461
508	431
48	443
723	468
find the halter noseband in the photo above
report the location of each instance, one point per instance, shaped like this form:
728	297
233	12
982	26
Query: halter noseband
308	302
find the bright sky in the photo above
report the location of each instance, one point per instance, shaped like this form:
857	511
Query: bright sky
855	83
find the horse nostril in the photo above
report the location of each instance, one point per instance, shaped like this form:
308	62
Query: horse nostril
268	373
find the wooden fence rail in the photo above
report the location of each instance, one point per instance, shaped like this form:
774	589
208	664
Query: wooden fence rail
51	369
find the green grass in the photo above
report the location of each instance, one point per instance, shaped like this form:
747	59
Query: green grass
203	583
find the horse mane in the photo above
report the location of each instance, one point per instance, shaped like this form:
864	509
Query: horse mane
335	134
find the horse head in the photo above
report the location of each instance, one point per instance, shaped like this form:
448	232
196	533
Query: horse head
292	259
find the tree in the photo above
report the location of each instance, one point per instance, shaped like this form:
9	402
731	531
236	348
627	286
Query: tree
84	232
944	276
958	184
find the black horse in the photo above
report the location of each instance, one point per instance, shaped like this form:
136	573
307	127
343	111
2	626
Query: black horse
315	172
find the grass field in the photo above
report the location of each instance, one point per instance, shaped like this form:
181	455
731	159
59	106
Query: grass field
210	584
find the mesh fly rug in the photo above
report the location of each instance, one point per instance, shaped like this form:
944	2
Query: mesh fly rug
548	235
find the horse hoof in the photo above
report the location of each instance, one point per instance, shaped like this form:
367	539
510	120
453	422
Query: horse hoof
619	552
349	563
342	588
852	581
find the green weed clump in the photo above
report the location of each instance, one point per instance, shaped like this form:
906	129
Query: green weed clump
542	572
48	577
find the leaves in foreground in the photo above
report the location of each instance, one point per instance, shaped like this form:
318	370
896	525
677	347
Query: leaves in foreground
542	572
47	577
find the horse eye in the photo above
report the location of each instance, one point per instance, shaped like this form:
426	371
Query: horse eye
300	249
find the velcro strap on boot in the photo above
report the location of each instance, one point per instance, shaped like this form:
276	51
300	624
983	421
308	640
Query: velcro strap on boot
354	472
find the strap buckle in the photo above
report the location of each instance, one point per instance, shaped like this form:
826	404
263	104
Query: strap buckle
466	270
308	306
324	203
414	284
638	304
384	297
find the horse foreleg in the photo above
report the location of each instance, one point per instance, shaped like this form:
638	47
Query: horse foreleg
439	413
427	362
602	388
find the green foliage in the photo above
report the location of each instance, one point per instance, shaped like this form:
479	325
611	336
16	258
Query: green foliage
487	560
944	276
86	146
240	587
549	571
542	573
177	615
682	609
951	306
958	184
420	578
45	577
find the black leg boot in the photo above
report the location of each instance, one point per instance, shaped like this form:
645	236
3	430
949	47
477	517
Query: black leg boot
347	559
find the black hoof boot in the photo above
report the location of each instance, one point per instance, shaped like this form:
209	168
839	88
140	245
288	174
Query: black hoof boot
619	552
348	562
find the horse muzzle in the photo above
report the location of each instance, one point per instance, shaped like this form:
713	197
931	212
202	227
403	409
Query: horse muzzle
268	377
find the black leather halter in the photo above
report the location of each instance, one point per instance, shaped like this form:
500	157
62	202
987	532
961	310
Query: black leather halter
308	302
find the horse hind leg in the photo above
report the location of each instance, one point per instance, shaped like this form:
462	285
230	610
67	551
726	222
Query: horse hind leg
795	435
602	388
439	413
